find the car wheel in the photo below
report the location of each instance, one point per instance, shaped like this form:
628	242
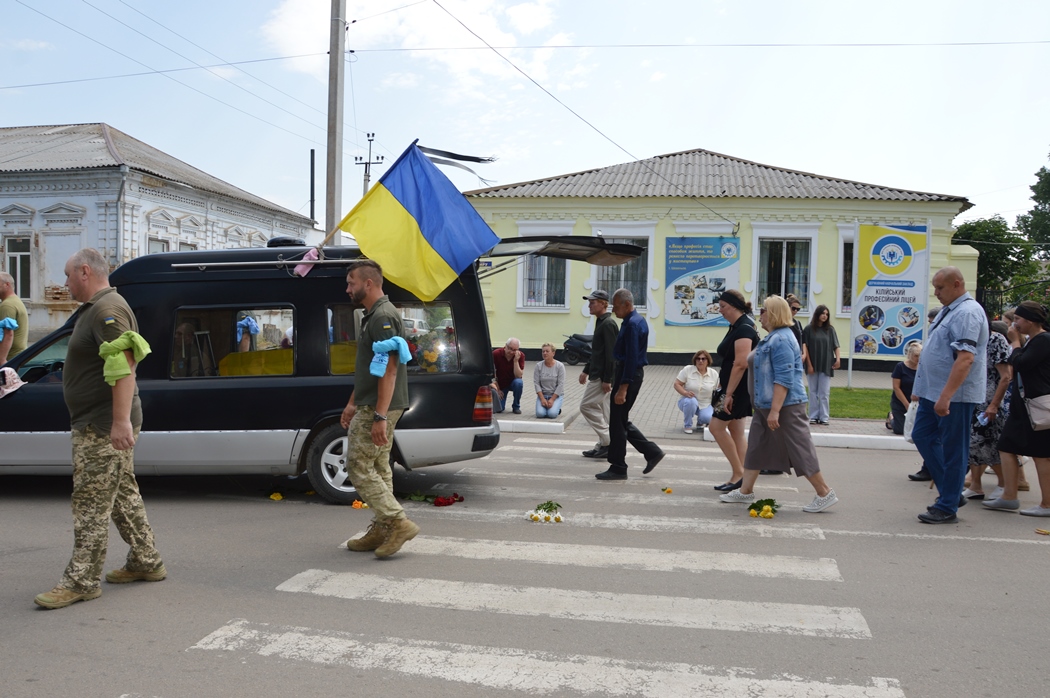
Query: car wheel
326	465
572	358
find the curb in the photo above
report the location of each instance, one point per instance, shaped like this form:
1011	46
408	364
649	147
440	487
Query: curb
864	441
522	426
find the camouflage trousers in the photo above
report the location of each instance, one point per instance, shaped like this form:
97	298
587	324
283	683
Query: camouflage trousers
104	488
368	465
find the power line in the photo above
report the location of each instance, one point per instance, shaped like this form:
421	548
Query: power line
581	118
753	45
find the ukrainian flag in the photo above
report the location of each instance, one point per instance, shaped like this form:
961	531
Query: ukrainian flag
418	227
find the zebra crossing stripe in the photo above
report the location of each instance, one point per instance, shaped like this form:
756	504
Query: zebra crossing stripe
576	452
522	671
777	566
699	448
471	472
612	492
574	604
626	522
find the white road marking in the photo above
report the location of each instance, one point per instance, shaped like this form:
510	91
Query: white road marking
523	671
685	467
700	447
616	494
574	604
822	569
666	524
575	452
934	536
468	472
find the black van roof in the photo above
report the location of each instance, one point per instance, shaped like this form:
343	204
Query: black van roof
249	263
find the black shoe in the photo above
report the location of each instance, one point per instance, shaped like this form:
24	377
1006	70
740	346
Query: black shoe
600	452
611	474
937	516
812	421
770	472
730	486
517	410
962	501
823	422
921	476
652	463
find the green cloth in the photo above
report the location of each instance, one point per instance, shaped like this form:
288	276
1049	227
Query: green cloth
116	366
13	307
382	322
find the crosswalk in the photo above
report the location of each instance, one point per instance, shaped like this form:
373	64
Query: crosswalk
503	539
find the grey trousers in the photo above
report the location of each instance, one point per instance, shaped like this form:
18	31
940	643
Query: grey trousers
594	406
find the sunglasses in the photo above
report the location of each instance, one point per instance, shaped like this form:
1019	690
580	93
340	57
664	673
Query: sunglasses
795	309
700	358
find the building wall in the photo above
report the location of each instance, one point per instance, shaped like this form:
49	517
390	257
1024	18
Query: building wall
827	223
118	212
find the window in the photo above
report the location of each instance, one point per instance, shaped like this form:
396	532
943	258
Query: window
156	246
186	247
211	342
45	366
429	329
18	263
783	269
632	275
847	278
544	282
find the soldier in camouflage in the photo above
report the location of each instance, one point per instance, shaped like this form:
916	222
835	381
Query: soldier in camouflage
105	419
371	414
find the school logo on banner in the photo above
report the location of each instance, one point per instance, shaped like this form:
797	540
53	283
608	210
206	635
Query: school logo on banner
891	255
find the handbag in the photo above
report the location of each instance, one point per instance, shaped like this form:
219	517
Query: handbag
718	399
1038	408
909	421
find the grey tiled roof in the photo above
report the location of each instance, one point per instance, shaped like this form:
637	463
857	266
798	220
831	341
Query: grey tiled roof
701	173
86	146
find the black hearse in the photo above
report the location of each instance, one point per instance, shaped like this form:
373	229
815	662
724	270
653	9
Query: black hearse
252	366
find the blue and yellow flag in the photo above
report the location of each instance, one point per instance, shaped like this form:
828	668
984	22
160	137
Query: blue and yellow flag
418	227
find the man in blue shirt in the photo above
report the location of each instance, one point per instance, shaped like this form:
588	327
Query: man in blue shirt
949	384
629	356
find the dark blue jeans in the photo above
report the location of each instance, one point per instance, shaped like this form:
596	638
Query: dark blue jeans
944	444
516	386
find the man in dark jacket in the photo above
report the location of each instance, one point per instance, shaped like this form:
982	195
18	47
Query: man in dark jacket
598	373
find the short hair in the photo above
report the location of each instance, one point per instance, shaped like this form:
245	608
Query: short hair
624	295
932	313
912	348
6	278
548	344
778	311
1009	315
367	269
94	261
700	353
512	339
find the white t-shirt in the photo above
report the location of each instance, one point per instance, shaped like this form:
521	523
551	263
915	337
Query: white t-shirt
699	385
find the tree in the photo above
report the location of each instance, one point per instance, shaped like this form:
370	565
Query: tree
1035	225
1004	256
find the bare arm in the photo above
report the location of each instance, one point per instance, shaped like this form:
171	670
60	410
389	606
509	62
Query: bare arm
679	388
779	395
519	364
898	392
5	345
122	434
960	369
386	394
1005	375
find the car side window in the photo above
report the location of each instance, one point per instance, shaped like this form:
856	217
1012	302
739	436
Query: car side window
429	330
45	366
232	341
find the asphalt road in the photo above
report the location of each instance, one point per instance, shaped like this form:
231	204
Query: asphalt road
638	593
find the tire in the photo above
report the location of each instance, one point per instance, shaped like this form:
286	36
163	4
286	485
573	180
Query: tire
571	357
326	465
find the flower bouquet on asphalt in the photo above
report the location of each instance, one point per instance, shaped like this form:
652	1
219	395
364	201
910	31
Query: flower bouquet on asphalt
763	509
548	512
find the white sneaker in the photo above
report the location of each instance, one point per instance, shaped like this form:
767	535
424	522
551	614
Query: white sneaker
737	497
821	503
688	430
995	494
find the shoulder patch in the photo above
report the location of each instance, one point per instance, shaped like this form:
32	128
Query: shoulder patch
387	325
109	320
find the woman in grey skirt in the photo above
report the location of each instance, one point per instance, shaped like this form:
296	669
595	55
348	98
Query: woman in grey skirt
780	427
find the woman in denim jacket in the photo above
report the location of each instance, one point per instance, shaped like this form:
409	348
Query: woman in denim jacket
780	425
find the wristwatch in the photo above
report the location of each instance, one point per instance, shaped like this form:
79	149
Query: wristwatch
378	417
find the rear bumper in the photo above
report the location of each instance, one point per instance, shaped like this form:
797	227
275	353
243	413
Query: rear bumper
422	447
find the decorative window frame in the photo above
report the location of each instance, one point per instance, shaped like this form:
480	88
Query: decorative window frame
764	230
529	228
644	229
63	215
847	233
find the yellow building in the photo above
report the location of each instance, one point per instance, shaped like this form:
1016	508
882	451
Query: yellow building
707	222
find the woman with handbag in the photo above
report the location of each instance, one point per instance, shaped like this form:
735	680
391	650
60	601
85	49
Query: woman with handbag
1027	429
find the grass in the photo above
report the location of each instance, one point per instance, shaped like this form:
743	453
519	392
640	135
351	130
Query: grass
860	403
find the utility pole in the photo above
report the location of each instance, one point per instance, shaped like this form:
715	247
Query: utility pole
358	160
336	72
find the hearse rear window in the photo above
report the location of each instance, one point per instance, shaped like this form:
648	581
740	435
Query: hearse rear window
429	330
231	341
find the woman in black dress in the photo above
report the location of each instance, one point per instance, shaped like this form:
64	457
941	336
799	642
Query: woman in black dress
1031	364
727	423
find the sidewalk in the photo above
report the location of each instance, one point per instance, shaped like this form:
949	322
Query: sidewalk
656	413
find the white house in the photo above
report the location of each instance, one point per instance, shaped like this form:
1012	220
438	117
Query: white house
89	185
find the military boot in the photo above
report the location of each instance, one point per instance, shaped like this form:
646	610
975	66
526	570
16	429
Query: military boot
60	598
400	532
372	539
124	575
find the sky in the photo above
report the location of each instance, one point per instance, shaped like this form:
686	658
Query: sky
945	96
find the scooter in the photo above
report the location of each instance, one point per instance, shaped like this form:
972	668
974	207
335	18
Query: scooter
577	348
